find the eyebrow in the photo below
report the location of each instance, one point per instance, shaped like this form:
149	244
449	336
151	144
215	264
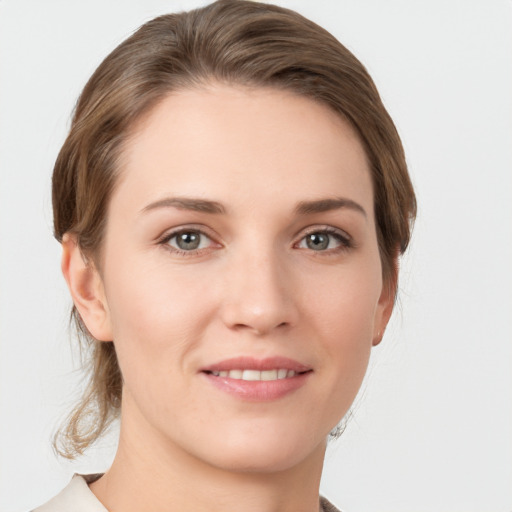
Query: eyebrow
186	203
324	205
207	206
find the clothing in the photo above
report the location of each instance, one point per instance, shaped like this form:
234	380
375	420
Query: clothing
77	497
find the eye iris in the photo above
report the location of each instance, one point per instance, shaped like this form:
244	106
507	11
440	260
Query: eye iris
317	241
188	240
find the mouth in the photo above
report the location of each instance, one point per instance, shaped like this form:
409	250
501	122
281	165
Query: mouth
261	380
257	375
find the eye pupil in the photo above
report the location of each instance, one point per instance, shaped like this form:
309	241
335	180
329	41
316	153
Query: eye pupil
188	240
317	241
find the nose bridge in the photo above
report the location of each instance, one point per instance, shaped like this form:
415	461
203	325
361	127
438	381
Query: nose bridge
258	291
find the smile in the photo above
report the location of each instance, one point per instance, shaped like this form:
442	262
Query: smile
254	375
258	380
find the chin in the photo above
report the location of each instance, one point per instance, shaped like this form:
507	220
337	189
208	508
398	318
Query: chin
264	452
260	461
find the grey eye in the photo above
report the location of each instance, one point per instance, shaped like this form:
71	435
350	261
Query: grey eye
189	240
318	241
324	240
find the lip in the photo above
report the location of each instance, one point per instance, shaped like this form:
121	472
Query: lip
251	363
257	391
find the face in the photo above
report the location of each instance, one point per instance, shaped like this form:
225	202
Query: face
240	276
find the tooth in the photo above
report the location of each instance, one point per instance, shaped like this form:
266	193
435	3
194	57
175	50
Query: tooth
254	375
269	375
235	374
251	375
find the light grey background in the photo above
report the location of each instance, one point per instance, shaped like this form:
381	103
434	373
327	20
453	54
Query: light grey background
433	429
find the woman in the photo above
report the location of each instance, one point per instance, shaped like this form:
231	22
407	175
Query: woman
232	200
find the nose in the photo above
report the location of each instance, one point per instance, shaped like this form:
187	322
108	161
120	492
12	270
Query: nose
258	295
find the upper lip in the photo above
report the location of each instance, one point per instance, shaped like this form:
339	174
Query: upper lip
252	363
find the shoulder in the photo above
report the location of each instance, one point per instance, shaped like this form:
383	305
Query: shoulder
327	506
75	497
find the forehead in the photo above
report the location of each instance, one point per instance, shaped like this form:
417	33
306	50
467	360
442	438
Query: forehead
249	142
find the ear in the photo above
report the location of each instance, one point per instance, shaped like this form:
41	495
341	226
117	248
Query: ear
86	288
385	304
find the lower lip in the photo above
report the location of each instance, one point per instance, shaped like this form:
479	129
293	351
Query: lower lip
258	390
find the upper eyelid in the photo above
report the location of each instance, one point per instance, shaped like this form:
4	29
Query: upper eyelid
324	229
344	239
165	239
204	230
172	232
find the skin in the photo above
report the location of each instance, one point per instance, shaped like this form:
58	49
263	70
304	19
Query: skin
254	287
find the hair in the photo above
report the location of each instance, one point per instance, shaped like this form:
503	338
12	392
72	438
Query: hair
234	42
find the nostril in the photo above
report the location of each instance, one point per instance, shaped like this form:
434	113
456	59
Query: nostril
260	313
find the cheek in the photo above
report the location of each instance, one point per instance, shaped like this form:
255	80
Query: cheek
348	338
347	344
156	328
344	319
348	306
157	316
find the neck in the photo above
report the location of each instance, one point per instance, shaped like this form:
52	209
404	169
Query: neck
152	474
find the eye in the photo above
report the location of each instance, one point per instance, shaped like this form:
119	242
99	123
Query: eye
188	240
324	240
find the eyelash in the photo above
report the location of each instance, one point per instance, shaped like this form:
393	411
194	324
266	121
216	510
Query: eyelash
164	241
344	240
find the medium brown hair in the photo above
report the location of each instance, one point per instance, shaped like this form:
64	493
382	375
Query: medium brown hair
234	42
